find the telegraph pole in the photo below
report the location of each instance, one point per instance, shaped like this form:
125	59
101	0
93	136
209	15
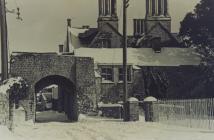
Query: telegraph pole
125	89
4	45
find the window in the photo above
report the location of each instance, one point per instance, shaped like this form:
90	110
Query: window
105	43
156	44
128	74
107	73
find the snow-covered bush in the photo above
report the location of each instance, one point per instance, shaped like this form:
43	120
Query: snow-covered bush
15	87
85	104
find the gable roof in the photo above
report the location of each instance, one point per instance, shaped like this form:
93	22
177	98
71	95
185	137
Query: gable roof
162	27
75	40
156	26
88	36
99	32
142	56
115	30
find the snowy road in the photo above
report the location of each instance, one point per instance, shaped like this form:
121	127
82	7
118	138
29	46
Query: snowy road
89	128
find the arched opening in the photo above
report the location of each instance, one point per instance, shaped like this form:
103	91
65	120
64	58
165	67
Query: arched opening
55	96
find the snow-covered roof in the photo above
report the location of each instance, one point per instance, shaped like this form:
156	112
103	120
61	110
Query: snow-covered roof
76	43
109	105
77	31
142	56
150	99
97	75
132	99
51	86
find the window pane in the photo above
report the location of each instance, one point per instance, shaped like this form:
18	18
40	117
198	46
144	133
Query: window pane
120	77
121	74
103	71
109	77
107	73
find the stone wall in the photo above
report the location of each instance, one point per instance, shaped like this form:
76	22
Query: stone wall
98	89
4	110
34	67
85	83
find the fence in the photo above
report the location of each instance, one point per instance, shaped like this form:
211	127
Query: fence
195	113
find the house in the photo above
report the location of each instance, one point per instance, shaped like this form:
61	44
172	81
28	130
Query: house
152	51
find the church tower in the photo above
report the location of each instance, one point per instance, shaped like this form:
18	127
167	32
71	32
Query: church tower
157	11
108	13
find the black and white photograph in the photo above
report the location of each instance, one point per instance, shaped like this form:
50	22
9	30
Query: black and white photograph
106	69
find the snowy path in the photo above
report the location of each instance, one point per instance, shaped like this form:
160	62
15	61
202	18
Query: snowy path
89	128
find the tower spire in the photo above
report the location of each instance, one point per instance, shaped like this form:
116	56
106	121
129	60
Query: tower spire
157	12
107	13
157	8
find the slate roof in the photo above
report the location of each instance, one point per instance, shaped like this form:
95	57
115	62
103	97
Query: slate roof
77	41
87	36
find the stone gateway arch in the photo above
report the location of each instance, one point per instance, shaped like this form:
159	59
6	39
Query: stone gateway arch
74	76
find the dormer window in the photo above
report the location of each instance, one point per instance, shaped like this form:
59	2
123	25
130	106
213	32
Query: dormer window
105	43
156	44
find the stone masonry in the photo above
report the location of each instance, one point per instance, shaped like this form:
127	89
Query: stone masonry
34	67
4	109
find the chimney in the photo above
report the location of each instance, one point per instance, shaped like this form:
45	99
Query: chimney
61	48
139	27
69	22
68	37
85	26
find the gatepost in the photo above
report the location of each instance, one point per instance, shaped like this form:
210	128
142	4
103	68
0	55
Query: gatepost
133	109
149	109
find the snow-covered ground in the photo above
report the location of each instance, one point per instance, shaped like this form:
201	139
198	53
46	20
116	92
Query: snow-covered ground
96	128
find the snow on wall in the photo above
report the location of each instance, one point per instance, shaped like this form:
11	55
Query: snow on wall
7	84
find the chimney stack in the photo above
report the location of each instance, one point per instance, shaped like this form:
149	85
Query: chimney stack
69	22
61	48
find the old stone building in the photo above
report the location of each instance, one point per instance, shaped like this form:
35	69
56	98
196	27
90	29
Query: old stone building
88	68
73	75
154	52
